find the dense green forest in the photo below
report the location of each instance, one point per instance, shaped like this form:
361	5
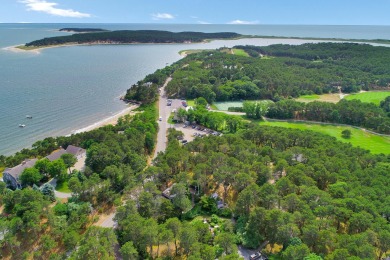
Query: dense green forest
114	159
292	194
299	191
127	36
282	71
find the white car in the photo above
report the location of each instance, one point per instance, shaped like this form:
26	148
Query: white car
160	119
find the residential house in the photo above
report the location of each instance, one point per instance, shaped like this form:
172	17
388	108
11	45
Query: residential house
56	154
167	193
11	175
76	151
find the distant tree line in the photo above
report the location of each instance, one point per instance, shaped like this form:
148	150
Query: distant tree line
138	36
282	71
80	30
351	112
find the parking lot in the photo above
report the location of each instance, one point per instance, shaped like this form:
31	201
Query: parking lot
190	131
193	131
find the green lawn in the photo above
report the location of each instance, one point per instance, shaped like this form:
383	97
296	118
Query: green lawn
190	102
170	119
370	97
63	187
240	52
310	97
376	144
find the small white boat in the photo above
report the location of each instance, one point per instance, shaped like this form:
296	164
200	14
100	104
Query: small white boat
22	125
29	117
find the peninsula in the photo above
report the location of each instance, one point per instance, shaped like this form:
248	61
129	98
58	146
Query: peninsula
129	37
83	30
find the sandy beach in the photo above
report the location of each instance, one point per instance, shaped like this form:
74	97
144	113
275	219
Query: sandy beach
112	120
14	48
37	50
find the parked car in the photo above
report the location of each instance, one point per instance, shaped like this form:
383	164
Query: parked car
258	256
160	118
184	141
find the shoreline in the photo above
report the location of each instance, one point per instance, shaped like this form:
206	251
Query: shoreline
379	42
112	120
18	48
14	48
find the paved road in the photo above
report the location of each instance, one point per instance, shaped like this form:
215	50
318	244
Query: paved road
164	113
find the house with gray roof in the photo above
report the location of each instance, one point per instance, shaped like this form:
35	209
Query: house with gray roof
11	175
76	151
56	154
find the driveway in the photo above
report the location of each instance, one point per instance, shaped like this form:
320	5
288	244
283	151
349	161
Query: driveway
61	195
244	252
79	165
108	221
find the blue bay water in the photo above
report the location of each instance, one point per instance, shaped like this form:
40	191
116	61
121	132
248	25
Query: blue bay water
69	88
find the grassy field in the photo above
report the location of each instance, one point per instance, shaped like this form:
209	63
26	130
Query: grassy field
310	97
376	144
191	103
63	187
240	52
370	97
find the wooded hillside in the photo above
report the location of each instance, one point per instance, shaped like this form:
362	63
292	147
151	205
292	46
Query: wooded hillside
139	36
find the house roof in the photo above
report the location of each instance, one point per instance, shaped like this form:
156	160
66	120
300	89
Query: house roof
18	169
75	150
56	154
